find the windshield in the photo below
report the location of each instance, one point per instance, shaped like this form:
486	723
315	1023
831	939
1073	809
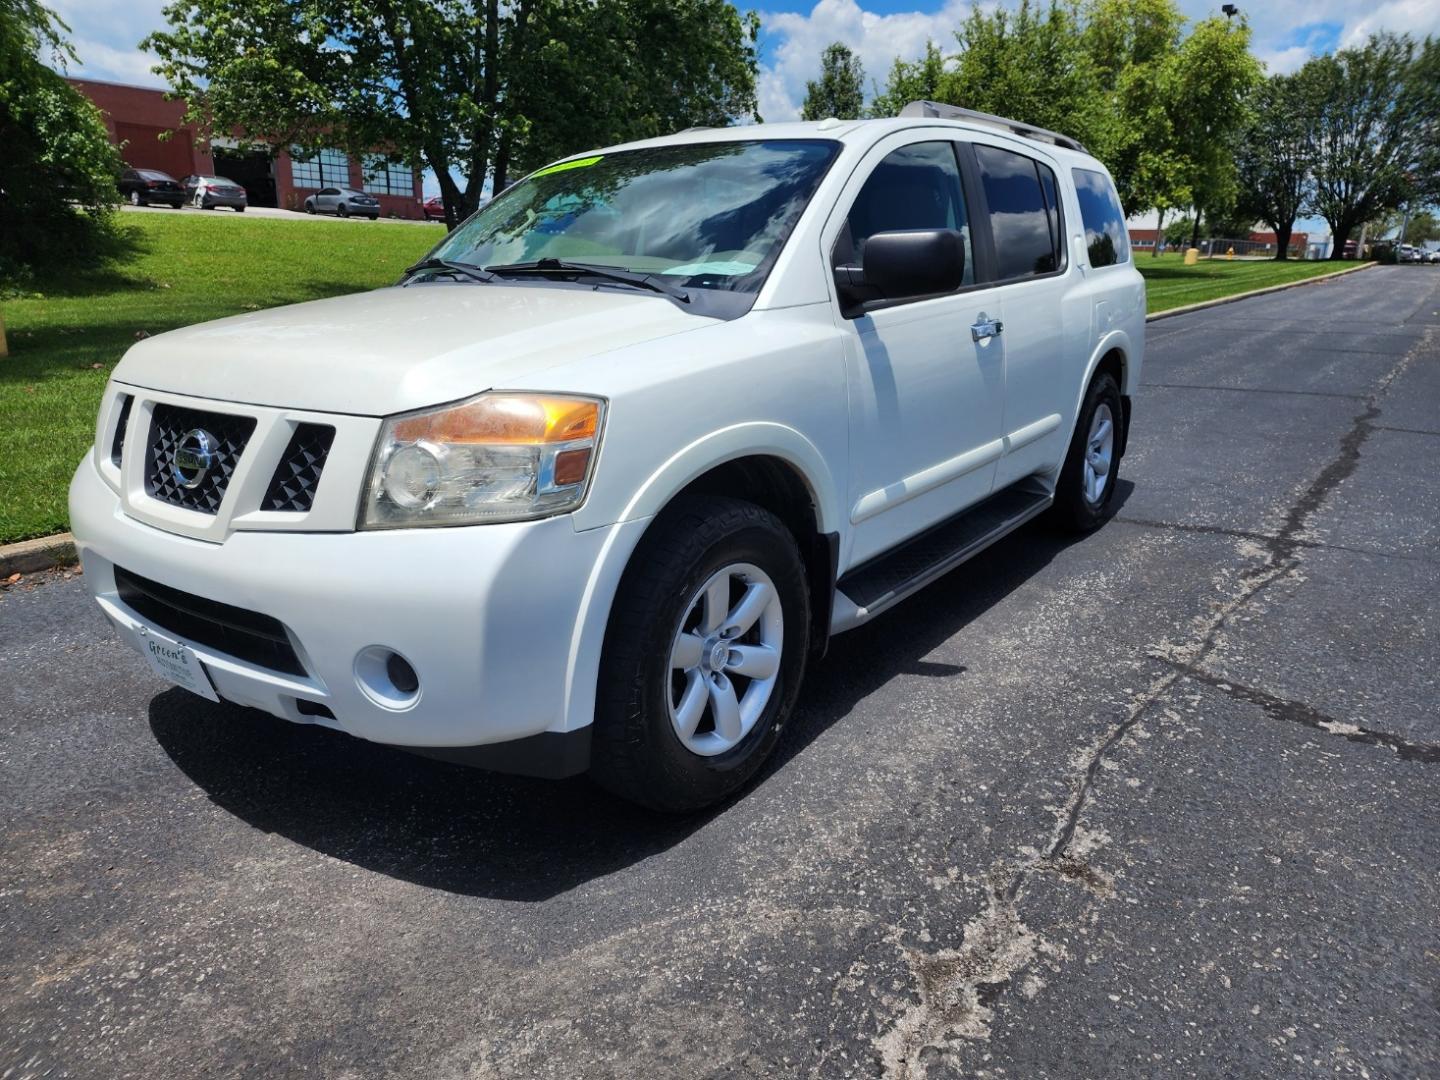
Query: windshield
707	216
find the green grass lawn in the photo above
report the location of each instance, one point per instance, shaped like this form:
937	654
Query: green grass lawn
1171	284
187	268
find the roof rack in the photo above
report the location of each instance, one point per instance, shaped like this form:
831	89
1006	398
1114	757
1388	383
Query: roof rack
939	111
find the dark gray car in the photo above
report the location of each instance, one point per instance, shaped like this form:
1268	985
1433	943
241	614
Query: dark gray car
344	202
208	192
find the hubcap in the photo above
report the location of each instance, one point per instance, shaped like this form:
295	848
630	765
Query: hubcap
725	659
1099	454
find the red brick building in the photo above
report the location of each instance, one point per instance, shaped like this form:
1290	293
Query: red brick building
138	116
1255	243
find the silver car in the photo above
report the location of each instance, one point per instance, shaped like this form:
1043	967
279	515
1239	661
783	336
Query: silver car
344	202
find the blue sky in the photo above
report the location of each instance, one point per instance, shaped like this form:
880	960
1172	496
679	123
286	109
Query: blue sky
1286	33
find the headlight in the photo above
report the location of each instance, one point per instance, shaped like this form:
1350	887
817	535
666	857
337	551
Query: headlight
496	457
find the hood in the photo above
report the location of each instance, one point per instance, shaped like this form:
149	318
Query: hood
397	349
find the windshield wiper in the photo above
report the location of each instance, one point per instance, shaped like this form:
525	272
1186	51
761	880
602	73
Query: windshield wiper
609	273
460	269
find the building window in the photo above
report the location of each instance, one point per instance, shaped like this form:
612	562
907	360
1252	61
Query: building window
387	178
325	168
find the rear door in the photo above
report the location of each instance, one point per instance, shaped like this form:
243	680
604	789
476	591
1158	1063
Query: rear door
1046	319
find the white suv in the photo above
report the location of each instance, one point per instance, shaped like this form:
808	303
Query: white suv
590	484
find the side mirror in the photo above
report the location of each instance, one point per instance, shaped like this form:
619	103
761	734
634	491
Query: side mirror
911	263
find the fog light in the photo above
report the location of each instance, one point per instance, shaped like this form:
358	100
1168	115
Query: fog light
386	678
402	675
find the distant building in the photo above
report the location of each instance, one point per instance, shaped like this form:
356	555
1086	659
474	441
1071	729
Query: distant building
137	117
1253	243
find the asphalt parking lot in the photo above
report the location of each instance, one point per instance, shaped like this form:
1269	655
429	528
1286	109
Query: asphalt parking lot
1161	802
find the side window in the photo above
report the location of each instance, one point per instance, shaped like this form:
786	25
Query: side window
1026	239
1106	239
915	187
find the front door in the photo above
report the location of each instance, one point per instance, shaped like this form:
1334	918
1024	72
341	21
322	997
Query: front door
926	381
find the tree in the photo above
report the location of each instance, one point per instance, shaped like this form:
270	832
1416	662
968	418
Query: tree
1029	64
910	80
840	91
1374	129
1132	45
1423	227
466	86
1178	231
1273	157
57	166
1214	76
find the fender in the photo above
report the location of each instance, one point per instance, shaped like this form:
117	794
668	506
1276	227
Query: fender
673	476
1116	340
750	439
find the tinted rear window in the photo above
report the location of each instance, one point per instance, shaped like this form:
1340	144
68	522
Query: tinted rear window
1026	239
1106	239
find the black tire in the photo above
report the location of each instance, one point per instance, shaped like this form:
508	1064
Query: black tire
342	210
1073	510
636	752
309	207
239	209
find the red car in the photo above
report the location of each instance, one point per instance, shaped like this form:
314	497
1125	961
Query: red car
434	208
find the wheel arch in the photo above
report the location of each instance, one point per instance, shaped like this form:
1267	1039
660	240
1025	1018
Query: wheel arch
1112	354
774	480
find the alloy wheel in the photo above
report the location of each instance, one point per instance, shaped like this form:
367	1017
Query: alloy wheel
725	659
1099	454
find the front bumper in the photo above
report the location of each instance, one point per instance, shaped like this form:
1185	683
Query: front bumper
498	621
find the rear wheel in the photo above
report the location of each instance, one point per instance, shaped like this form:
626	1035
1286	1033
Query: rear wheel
135	199
703	655
1088	477
342	210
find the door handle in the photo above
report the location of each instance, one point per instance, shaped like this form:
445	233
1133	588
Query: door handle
985	327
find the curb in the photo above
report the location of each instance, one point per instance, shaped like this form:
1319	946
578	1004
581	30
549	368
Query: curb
1203	304
42	553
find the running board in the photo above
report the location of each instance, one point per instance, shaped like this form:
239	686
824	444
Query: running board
887	579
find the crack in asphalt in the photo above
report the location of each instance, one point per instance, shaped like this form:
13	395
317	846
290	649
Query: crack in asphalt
1251	390
957	987
1297	712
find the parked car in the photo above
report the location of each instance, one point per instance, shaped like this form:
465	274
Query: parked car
591	484
1432	255
435	208
208	192
344	202
1407	253
142	187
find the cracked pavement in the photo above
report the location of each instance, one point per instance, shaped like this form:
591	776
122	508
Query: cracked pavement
1159	802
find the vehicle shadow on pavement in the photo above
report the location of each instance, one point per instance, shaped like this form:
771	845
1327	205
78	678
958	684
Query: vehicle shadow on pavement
511	838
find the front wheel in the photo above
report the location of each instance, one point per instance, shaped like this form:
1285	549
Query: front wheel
1091	469
342	210
703	656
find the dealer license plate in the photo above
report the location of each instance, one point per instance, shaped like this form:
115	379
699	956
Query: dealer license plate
176	662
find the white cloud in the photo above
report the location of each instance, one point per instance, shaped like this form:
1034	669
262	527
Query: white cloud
1419	17
106	35
1284	61
798	40
101	61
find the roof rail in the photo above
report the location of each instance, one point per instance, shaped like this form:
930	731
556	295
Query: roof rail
940	111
